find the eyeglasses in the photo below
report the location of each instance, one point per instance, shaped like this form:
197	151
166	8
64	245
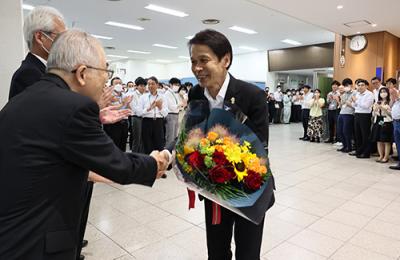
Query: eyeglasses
109	72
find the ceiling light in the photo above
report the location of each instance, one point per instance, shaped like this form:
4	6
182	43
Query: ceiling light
211	21
248	48
358	32
164	10
339	7
163	61
292	42
27	7
184	57
164	46
124	25
243	30
189	37
102	37
117	56
139	52
374	25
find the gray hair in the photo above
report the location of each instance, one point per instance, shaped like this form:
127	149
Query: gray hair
41	18
73	48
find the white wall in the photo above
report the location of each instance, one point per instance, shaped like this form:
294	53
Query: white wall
251	67
11	44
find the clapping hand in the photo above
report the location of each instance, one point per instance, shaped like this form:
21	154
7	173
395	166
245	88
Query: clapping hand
113	114
159	103
106	97
127	100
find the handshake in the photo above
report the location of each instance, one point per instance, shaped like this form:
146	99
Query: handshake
164	159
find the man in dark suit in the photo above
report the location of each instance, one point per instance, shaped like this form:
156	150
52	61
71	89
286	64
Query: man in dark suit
211	56
39	38
50	138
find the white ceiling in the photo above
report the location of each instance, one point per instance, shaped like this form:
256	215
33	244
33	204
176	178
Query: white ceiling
324	13
272	26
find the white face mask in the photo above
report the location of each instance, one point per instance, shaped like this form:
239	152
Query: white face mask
44	48
118	88
347	89
161	91
279	89
384	95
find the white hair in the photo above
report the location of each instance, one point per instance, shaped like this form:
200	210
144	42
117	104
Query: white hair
73	48
41	18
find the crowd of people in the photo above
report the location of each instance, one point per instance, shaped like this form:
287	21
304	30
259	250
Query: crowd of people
362	119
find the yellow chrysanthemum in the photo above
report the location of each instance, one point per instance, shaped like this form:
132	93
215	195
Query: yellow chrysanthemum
233	154
212	136
240	174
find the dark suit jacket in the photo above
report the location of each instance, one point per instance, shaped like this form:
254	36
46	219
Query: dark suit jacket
30	71
251	101
50	137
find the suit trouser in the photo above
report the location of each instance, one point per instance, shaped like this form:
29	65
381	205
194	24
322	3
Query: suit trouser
345	127
171	128
136	134
248	236
153	134
305	117
118	132
278	113
84	216
362	127
332	122
396	136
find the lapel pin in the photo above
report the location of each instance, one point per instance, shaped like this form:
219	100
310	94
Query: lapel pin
232	100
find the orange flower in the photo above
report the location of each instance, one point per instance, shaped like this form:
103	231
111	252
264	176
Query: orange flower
219	148
204	142
212	136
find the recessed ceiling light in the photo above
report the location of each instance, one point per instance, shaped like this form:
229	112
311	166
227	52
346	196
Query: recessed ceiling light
139	52
102	37
292	42
163	61
164	46
211	21
374	25
164	10
184	57
358	32
339	7
124	25
243	30
189	37
248	48
27	7
117	56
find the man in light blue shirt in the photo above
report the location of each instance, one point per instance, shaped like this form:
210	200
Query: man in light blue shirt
396	128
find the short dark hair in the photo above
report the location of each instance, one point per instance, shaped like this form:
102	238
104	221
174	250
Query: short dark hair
216	41
335	82
113	79
153	79
376	78
173	81
306	86
129	82
391	80
317	90
347	81
362	81
140	81
187	84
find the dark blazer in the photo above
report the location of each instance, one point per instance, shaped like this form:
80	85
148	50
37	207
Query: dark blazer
30	71
50	137
251	101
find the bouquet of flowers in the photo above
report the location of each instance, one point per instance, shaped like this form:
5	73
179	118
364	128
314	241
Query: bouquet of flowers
224	161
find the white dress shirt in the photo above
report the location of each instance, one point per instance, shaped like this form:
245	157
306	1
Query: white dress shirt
218	102
307	100
145	102
364	102
135	103
278	96
173	101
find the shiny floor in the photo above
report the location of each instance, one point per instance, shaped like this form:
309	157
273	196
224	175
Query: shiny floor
329	206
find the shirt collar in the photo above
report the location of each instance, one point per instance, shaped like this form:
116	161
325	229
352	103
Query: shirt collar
41	59
222	91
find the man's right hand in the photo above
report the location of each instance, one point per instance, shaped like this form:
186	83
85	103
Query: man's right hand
162	162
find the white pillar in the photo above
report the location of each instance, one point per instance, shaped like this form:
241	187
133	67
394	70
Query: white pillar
11	44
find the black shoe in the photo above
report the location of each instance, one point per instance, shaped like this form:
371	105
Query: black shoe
317	140
84	243
362	156
395	167
306	138
329	141
354	154
312	140
81	257
396	158
301	138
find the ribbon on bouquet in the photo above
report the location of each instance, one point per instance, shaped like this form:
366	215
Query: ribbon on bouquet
216	209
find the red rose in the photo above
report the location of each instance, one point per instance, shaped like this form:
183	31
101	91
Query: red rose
253	180
219	158
220	174
196	160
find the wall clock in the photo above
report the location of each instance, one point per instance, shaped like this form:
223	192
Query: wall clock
358	43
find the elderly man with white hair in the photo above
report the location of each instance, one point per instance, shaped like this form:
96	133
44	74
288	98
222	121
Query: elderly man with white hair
41	27
47	151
